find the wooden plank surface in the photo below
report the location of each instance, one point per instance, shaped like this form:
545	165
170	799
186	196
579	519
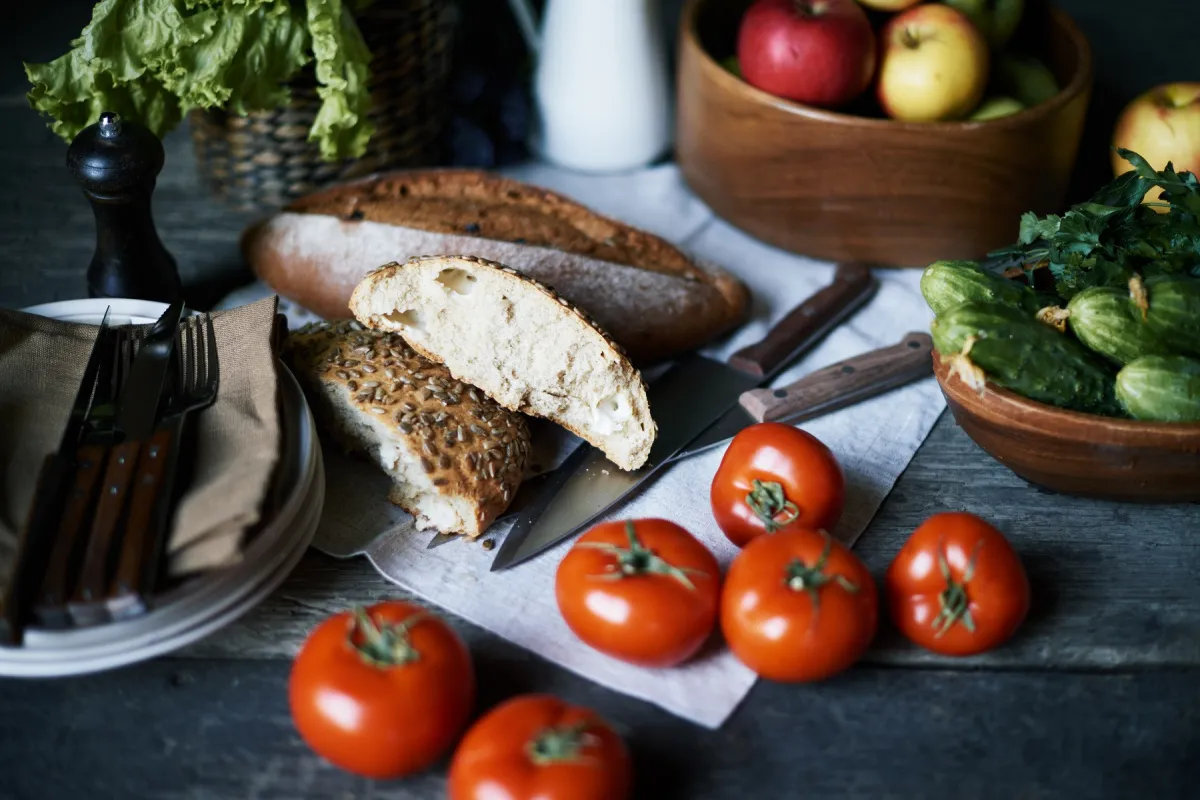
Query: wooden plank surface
216	729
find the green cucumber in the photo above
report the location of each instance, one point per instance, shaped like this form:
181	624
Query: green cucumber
1017	352
1173	312
1109	323
1161	388
946	284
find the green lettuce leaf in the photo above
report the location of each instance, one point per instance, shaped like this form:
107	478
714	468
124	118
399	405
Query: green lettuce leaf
154	60
343	60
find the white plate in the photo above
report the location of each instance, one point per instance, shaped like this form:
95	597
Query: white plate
212	600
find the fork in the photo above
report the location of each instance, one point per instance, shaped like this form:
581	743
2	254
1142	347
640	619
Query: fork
195	383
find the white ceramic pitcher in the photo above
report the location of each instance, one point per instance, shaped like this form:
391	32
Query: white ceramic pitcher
601	87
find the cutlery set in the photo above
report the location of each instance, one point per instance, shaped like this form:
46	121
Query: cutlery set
93	543
700	403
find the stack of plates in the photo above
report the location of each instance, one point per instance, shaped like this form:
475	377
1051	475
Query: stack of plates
210	601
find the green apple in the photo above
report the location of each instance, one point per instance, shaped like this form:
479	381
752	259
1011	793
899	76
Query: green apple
1025	78
993	107
732	65
997	20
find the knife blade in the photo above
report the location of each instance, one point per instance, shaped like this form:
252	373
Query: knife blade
836	386
685	400
37	543
136	418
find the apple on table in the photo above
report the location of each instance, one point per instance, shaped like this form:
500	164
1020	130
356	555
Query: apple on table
818	52
1161	125
933	65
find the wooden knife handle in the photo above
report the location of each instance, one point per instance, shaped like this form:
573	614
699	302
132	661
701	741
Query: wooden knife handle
104	533
145	528
845	382
852	285
69	540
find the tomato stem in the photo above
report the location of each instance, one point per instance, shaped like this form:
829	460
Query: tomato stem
637	559
385	645
799	577
767	500
556	745
955	605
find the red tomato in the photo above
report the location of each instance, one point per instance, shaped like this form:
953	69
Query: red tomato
382	692
643	591
537	747
774	476
957	587
798	606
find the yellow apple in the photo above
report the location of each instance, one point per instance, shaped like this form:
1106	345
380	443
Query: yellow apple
888	5
933	65
1161	125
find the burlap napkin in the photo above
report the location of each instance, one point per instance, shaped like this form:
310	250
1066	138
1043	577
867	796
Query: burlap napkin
236	440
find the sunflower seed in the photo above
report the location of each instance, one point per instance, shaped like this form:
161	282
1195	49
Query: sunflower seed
404	426
370	384
478	431
378	410
343	374
362	349
473	395
426	433
350	362
352	385
419	375
428	449
491	469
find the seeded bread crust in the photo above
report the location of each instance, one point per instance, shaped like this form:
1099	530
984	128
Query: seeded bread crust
456	457
376	303
647	293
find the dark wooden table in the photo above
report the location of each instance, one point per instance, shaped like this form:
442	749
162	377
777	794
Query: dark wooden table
1099	695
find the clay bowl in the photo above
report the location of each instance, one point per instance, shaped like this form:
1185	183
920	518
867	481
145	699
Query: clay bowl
841	187
1078	454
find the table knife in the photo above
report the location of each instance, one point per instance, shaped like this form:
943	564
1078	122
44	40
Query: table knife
689	397
51	495
136	418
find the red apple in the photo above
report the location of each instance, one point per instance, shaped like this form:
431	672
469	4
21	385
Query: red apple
819	52
933	65
1161	125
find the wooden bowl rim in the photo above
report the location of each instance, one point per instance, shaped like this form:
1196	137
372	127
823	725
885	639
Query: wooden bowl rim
1080	82
999	404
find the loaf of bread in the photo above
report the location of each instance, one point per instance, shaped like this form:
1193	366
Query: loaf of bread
456	458
515	339
649	296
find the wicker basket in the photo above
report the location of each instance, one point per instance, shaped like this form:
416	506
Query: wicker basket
264	159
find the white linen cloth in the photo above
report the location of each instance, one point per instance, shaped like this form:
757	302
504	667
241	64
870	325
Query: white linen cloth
873	441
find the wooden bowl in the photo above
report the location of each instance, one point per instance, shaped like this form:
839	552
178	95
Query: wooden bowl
854	188
1079	454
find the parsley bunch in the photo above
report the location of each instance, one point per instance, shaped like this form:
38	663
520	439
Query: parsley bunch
1114	236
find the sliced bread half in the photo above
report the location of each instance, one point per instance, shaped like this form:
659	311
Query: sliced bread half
518	341
455	456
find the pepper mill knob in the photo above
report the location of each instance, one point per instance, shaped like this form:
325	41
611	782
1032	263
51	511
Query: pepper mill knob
117	162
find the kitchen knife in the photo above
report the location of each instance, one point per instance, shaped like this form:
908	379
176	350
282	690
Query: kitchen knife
685	400
37	543
828	389
136	418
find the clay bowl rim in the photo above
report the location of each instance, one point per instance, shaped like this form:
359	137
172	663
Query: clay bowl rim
1059	423
714	73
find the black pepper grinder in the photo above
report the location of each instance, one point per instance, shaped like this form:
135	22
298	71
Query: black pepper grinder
117	164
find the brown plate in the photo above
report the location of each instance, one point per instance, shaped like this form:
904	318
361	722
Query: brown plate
851	187
1079	454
